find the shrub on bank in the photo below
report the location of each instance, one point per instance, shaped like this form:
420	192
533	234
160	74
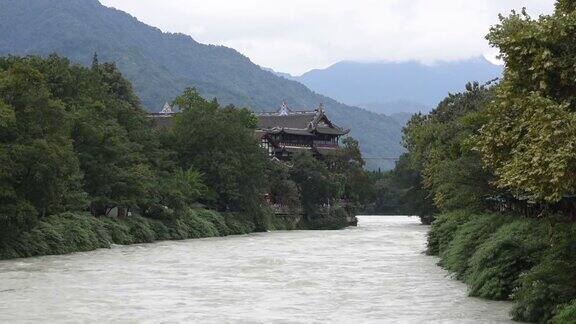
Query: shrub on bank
335	220
532	262
551	283
498	263
78	232
466	240
443	230
59	234
566	314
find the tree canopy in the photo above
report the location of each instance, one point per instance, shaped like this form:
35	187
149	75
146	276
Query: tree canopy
530	138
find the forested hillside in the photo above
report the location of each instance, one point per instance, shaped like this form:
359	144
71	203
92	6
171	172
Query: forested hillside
162	65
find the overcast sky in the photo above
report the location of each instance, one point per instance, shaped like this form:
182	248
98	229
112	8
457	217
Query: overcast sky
298	35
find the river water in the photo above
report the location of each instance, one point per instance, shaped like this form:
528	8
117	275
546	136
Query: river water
374	273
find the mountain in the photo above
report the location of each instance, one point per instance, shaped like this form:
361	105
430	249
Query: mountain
280	74
402	118
395	107
389	86
160	65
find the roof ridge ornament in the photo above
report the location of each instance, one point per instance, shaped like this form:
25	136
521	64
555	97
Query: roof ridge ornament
284	110
167	109
319	114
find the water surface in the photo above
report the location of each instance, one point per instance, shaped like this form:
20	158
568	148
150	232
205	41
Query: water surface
373	273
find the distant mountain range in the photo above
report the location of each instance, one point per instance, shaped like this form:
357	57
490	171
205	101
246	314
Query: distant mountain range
161	65
391	88
396	107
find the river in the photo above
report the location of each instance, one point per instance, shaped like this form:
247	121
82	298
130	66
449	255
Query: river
374	273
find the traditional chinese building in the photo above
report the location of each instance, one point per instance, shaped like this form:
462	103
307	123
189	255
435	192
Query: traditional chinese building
286	132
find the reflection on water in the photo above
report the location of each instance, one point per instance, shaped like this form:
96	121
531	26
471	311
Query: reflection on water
373	273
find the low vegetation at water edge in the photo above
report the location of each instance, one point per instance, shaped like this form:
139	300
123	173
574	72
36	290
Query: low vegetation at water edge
74	232
531	262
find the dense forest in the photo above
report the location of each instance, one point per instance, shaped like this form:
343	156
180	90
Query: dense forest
493	169
161	65
75	144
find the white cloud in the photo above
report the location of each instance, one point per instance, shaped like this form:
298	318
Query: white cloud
298	35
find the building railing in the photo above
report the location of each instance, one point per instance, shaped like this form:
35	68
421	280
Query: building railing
324	144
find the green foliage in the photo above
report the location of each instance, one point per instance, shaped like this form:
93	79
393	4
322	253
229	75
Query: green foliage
183	188
566	314
401	192
358	189
499	262
220	143
335	220
119	231
77	139
532	262
442	170
530	137
317	185
73	232
218	220
552	282
239	223
543	289
39	168
74	137
439	147
466	240
443	230
58	234
283	190
189	225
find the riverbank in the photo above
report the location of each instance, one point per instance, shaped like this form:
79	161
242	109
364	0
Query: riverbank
531	262
79	232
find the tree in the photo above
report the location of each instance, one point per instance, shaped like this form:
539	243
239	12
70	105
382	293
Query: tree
282	188
220	143
530	138
349	164
442	170
77	136
441	147
44	170
39	172
401	192
317	185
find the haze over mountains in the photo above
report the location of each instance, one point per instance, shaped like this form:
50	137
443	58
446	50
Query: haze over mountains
391	88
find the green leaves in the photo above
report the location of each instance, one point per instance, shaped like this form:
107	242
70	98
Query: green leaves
530	138
220	143
70	138
441	149
539	162
318	186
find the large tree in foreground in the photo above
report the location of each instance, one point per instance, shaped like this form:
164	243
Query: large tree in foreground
530	138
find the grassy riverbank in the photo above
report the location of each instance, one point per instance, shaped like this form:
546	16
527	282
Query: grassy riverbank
78	232
500	257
